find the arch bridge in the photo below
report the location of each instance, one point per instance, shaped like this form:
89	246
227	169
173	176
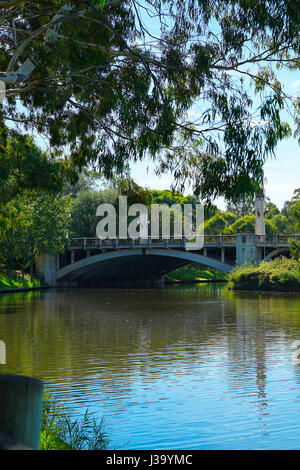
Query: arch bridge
92	261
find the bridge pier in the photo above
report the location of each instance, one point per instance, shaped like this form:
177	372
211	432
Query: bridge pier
247	250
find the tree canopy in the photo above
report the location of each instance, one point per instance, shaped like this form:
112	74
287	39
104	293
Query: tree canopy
30	225
107	83
23	166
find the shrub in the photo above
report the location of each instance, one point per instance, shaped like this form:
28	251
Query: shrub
281	274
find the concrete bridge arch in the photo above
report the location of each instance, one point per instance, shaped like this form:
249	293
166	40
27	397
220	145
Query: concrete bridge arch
274	253
137	264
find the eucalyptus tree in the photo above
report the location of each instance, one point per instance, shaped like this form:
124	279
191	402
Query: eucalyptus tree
45	220
110	82
24	166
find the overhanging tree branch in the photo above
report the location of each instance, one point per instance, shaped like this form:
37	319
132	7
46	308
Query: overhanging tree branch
111	88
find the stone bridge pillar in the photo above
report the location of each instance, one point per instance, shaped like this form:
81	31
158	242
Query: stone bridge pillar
46	266
247	250
260	224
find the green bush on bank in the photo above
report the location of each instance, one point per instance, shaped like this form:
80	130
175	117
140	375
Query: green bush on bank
281	274
60	432
16	280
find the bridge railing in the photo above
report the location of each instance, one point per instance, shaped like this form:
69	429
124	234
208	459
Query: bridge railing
277	239
209	240
219	239
97	243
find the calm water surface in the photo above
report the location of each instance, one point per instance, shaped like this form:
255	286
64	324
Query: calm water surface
194	367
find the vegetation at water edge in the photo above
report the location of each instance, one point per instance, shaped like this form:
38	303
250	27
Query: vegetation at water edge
17	281
61	432
194	272
281	274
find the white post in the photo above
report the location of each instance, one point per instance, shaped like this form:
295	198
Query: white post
260	226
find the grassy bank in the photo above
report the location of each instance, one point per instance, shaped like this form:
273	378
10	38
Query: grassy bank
282	274
60	432
193	272
17	281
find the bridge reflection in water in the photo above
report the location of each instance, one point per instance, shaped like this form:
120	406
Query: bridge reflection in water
89	261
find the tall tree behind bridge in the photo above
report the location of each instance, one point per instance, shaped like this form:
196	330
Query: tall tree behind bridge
244	206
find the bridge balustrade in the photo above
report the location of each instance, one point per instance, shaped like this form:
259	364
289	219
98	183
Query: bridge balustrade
97	243
209	240
276	239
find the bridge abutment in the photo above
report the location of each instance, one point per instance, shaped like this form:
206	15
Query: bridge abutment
46	267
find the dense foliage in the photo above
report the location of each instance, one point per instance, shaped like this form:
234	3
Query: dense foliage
84	219
24	167
106	83
30	225
281	274
17	281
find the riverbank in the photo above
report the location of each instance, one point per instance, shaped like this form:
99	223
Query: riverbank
197	281
195	273
191	273
18	283
281	275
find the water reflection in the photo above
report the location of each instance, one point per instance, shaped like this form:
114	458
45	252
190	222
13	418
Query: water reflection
182	367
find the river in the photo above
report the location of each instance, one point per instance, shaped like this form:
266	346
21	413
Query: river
181	367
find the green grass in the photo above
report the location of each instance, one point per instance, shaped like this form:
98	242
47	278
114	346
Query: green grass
60	432
281	274
193	272
16	281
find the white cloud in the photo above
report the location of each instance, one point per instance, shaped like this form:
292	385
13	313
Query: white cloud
295	85
296	88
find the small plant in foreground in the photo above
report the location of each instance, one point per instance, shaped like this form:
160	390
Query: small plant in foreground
60	432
